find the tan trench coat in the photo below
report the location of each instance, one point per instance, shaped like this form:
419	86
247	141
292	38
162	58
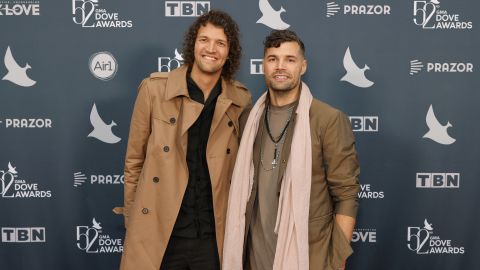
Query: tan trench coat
156	172
335	172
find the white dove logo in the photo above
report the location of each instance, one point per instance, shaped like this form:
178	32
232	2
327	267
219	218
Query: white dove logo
16	74
102	131
427	225
178	55
96	224
11	169
271	17
435	2
437	132
355	75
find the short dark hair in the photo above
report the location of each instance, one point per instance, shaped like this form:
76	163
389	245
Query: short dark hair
277	37
230	27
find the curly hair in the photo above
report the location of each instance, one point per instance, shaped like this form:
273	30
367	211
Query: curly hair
277	37
230	27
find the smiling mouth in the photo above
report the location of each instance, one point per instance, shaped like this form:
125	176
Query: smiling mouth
280	77
209	58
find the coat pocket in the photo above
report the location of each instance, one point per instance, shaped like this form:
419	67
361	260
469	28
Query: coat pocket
340	247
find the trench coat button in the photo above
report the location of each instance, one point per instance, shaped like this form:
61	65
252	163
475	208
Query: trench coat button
166	149
172	120
145	211
230	123
155	179
228	150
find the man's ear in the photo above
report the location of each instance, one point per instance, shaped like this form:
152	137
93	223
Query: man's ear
304	66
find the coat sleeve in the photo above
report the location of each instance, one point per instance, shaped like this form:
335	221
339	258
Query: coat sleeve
342	168
140	129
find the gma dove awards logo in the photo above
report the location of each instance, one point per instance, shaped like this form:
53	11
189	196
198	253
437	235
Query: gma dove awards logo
92	239
422	241
12	187
428	15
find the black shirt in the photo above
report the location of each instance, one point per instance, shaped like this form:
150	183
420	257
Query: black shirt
196	218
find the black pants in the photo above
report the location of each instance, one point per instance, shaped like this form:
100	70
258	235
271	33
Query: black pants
191	254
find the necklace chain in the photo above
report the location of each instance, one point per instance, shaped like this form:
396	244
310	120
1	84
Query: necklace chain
276	152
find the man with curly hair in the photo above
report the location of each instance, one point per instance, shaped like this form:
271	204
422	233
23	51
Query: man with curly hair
184	137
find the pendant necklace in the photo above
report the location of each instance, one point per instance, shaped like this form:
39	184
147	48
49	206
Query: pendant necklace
276	152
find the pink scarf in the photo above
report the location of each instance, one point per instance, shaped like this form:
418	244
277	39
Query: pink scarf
294	202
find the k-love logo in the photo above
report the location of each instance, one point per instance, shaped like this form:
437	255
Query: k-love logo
19	8
271	17
87	13
354	74
166	64
92	239
186	8
364	235
16	73
422	241
364	9
436	131
12	187
367	192
101	130
417	66
428	15
79	178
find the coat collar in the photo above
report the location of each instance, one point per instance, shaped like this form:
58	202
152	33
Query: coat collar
177	86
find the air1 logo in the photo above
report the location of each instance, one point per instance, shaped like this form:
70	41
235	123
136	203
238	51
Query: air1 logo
91	239
256	66
87	14
103	65
23	235
364	123
428	15
364	235
19	8
186	8
422	241
18	188
438	180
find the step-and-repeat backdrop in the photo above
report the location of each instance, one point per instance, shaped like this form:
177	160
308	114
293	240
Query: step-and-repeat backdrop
403	70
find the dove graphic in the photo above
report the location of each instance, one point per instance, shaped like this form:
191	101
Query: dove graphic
435	2
437	132
178	55
96	224
11	169
354	75
271	17
427	225
102	131
16	74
